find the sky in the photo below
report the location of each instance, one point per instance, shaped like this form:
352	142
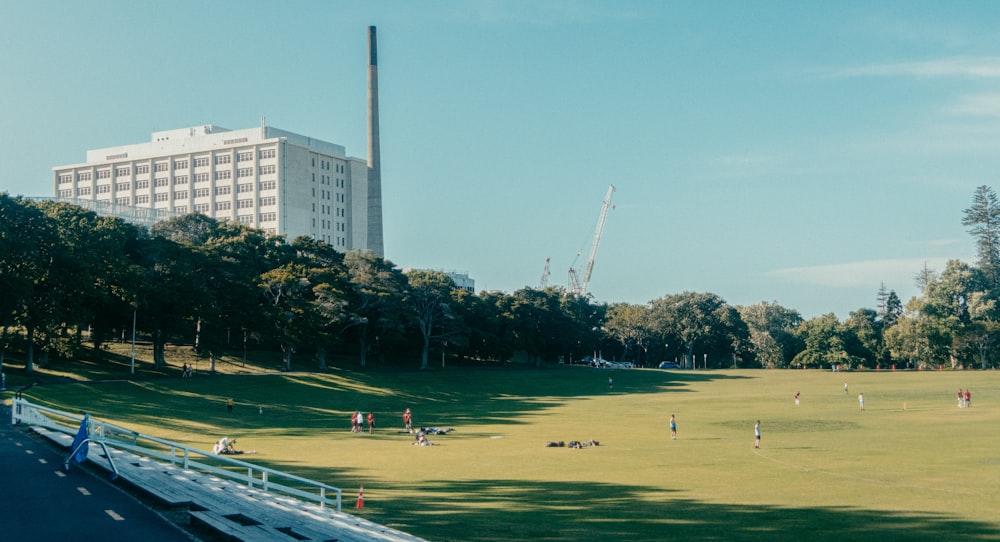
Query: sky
800	153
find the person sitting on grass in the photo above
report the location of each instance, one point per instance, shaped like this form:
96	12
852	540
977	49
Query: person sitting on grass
422	440
227	447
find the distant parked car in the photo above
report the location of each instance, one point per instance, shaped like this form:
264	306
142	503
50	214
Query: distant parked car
669	365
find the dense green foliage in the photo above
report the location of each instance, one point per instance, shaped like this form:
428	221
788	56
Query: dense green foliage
69	275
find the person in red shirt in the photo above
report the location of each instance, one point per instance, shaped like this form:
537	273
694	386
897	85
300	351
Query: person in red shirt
408	421
371	423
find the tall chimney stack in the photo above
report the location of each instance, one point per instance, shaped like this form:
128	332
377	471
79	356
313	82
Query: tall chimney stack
375	241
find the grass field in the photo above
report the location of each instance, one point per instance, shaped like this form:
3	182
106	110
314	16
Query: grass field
825	470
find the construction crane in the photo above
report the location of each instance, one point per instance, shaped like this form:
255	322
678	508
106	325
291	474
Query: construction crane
545	274
576	286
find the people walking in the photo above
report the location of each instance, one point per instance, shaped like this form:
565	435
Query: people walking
371	423
861	401
673	427
408	421
756	435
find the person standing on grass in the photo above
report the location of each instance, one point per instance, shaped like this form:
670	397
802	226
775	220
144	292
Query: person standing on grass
756	435
845	388
408	421
861	401
611	384
229	405
673	427
796	398
371	423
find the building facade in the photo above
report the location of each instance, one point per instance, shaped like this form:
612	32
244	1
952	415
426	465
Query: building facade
281	182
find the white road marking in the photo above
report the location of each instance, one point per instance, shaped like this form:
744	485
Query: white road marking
114	515
29	452
60	474
83	490
43	461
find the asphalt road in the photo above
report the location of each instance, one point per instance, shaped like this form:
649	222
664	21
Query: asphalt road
40	502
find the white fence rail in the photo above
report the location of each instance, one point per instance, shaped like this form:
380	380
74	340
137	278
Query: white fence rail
24	412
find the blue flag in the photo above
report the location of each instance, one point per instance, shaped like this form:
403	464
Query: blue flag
81	438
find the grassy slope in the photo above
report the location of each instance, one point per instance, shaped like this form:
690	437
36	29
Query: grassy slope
825	471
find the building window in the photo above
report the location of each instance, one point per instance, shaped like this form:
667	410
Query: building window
264	170
268	185
244	188
123	172
162	196
245	172
244	157
66	193
121	187
267	153
142	199
142	169
202	193
181	194
202	208
223	190
104	189
223	159
63	179
84	176
244	204
201	162
268	217
268	201
201	177
223	205
123	201
180	164
181	179
223	175
183	209
139	185
161	181
245	219
104	174
161	166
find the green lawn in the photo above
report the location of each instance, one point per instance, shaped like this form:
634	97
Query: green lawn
825	470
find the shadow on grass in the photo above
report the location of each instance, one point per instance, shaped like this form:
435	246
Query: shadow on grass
515	510
303	402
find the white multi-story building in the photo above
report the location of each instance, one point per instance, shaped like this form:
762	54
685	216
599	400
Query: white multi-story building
281	182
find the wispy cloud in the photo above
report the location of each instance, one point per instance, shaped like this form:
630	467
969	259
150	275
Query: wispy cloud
987	104
970	67
893	272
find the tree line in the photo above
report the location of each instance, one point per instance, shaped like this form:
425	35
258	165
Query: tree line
71	277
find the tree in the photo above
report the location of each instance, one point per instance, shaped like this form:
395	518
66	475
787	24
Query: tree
328	313
773	333
983	218
697	320
286	291
431	303
630	325
825	345
377	293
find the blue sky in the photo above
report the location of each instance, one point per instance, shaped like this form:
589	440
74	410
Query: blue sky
796	152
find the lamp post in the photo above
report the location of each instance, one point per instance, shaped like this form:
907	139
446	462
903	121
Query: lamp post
133	342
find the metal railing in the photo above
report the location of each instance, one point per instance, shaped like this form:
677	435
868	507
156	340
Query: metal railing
186	457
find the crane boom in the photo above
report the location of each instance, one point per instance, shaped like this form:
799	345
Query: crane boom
576	286
598	232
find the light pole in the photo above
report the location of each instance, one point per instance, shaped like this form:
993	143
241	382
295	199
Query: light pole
133	341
